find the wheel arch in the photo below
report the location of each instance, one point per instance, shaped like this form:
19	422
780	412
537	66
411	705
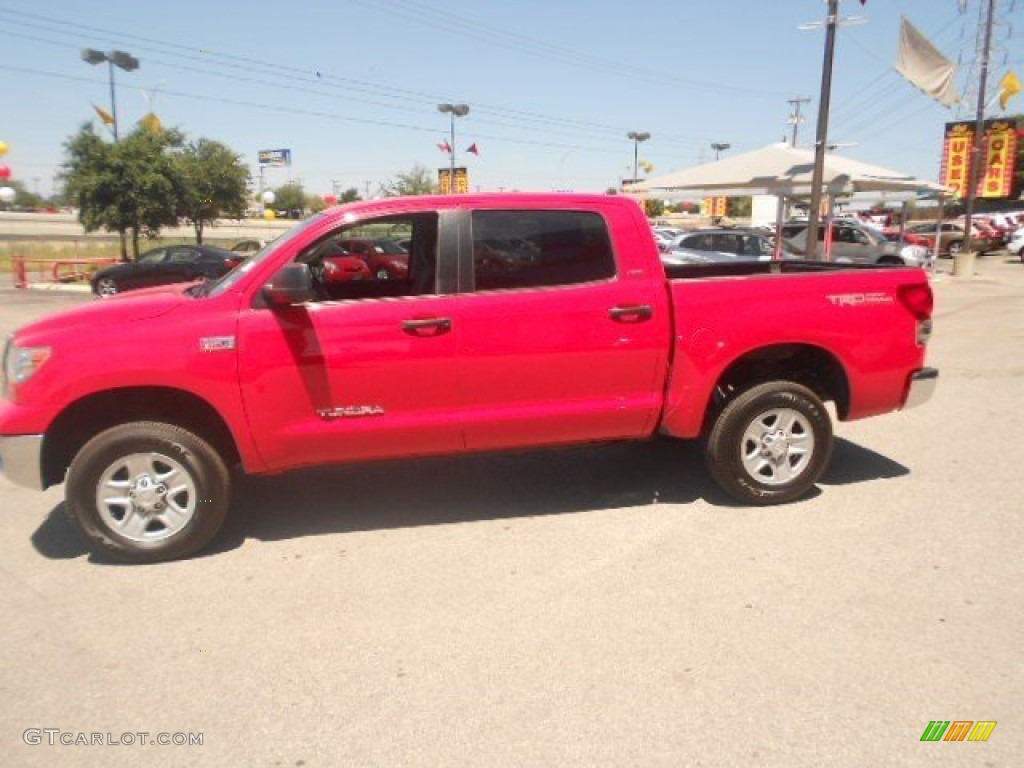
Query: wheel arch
813	366
87	417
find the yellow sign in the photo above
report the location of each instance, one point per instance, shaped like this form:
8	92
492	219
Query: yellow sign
461	181
956	159
1001	152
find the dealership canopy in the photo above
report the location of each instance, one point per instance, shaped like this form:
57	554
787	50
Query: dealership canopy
777	169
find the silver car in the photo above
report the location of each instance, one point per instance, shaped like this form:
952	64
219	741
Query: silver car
704	246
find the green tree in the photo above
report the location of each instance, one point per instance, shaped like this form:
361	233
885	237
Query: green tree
22	197
126	187
350	195
417	181
654	208
290	197
212	183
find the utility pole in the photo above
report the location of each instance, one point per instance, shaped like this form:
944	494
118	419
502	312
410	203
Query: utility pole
794	118
979	129
821	139
366	184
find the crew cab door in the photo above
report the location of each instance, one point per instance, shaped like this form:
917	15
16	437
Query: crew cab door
367	370
555	345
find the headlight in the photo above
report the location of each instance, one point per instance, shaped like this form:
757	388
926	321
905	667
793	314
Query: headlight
20	364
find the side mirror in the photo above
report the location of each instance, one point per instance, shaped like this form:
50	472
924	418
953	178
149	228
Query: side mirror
292	285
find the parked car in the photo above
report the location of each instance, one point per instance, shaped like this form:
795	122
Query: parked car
704	246
386	259
248	246
587	337
951	237
1016	243
858	243
161	266
331	262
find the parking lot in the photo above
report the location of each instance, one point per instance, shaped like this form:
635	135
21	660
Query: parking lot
595	606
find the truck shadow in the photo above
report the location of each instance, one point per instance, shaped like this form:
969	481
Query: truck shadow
424	492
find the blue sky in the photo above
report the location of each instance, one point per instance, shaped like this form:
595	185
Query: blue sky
351	86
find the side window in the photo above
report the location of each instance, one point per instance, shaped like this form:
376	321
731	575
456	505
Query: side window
726	243
376	258
181	255
698	243
529	249
153	257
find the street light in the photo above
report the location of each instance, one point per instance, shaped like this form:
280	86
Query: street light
119	59
455	110
637	137
719	148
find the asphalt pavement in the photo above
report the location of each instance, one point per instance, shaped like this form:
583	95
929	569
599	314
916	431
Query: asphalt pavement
601	606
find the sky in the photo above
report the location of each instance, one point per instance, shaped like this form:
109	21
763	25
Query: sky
351	87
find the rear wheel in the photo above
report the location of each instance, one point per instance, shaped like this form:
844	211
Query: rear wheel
106	286
771	444
146	491
955	247
382	274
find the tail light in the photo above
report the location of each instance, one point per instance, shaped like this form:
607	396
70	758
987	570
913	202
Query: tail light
919	302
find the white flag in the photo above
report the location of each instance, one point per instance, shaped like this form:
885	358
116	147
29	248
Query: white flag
925	67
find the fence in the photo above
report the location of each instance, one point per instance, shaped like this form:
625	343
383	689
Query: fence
61	271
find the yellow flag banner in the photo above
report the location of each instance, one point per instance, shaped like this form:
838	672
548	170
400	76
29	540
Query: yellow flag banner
105	116
1009	87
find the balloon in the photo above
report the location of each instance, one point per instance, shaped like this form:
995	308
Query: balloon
3	148
269	215
269	197
7	194
5	172
330	199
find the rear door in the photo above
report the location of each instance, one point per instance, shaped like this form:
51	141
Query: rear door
554	345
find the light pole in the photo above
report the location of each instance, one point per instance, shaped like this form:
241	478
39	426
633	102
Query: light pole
455	110
119	59
637	137
127	62
719	148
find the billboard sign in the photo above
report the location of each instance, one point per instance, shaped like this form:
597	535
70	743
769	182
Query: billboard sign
1002	153
275	157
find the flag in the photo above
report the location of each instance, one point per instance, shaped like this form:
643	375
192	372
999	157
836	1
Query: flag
105	116
1010	86
925	67
151	123
444	146
473	148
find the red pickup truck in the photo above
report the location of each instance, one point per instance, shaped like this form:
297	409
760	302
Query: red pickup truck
523	320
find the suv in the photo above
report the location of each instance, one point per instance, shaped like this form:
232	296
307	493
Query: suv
858	243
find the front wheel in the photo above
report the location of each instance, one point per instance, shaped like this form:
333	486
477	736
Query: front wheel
955	247
147	491
106	286
771	444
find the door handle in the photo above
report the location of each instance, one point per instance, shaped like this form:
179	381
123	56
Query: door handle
632	313
437	324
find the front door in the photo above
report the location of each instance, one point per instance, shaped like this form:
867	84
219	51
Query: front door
367	371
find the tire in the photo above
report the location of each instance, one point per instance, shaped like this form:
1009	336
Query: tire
892	260
751	449
955	247
382	274
118	496
106	286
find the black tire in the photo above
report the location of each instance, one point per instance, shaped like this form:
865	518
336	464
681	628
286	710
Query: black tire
383	274
162	447
896	260
106	286
955	247
726	445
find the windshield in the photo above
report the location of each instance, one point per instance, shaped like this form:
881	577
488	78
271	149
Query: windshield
216	288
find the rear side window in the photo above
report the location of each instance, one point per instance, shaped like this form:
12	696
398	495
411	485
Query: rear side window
529	249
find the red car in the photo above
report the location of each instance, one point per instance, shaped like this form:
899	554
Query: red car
386	259
892	234
331	262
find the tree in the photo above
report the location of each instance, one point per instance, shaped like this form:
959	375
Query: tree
130	186
22	197
212	183
290	197
350	195
417	181
654	208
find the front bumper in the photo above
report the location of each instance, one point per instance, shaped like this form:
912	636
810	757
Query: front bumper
21	460
922	387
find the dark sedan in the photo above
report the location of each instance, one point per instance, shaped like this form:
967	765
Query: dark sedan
161	266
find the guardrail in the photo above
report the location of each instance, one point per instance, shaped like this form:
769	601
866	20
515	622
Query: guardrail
62	271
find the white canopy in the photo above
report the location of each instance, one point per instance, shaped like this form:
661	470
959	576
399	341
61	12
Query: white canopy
777	169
